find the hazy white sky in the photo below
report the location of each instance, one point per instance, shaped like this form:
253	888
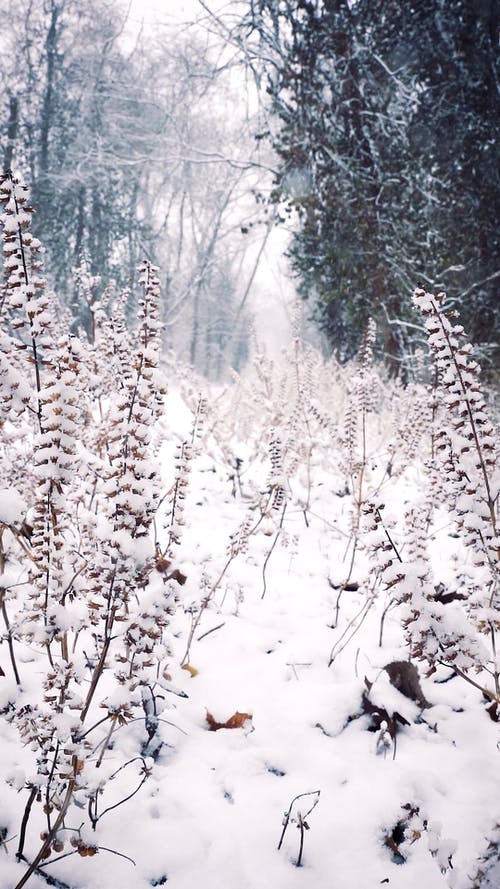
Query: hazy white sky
152	11
273	290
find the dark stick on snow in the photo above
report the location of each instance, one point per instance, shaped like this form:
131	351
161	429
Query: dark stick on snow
199	638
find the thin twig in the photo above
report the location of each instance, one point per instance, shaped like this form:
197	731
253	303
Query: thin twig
10	643
120	854
207	633
266	560
24	822
120	803
288	814
49	879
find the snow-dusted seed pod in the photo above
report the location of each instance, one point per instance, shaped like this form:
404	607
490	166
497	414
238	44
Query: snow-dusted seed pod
185	452
27	300
55	467
363	398
276	476
15	392
238	541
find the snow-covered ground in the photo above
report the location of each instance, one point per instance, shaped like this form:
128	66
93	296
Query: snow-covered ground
417	813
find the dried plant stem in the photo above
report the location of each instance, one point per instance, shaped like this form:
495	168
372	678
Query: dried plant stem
389	538
301	821
358	502
346	581
204	604
302	829
391	604
470	415
98	670
354	624
496	675
24	822
52	834
10	643
212	630
486	692
107	739
50	880
276	538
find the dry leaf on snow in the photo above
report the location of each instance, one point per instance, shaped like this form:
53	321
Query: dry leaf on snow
237	720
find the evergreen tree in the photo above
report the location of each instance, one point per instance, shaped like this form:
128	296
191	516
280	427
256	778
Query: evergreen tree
386	118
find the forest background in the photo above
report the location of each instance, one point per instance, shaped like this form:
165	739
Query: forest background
361	138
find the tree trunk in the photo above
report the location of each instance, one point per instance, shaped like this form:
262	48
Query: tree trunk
11	131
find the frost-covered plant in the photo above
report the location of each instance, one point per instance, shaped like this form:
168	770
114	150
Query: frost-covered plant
467	442
364	389
412	413
288	404
295	814
412	827
457	630
468	462
363	396
80	576
185	452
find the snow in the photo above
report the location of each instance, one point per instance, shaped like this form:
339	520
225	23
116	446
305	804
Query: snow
12	506
211	813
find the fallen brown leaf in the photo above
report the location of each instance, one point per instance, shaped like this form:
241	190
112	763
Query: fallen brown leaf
237	720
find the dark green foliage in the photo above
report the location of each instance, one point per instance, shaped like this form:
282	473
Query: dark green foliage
387	117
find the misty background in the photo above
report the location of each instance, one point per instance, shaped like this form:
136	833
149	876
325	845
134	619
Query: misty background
254	150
